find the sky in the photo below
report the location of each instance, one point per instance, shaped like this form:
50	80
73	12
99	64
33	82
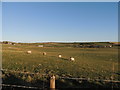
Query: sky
60	0
0	21
59	21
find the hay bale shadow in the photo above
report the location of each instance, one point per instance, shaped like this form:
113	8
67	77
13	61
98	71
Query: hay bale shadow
65	59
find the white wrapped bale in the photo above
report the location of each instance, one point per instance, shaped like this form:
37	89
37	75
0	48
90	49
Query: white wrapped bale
29	52
110	46
59	55
72	59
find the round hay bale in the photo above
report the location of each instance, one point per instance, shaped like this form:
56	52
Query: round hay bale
44	53
29	52
59	55
72	59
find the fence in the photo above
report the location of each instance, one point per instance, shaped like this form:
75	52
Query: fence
18	86
53	79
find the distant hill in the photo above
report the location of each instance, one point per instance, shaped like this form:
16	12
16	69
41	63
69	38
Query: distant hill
71	44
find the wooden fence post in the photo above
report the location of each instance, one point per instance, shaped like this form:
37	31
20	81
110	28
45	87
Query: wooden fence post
52	82
113	74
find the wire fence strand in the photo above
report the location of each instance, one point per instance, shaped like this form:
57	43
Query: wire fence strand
88	79
18	86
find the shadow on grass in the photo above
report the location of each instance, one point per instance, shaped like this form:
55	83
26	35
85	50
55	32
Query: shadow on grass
60	84
61	58
84	84
11	79
65	59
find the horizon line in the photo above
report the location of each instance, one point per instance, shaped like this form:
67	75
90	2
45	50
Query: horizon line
56	41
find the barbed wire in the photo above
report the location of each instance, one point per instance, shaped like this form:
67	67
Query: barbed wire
38	88
43	87
18	86
88	79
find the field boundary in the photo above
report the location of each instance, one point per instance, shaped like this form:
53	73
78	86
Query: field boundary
52	81
70	78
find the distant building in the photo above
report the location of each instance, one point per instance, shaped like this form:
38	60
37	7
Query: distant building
13	44
7	42
40	45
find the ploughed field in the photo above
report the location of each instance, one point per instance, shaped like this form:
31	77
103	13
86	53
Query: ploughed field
32	69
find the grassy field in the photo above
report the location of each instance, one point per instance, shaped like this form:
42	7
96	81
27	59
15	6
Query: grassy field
94	63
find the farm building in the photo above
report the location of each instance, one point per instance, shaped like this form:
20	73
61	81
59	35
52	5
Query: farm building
8	42
13	44
40	45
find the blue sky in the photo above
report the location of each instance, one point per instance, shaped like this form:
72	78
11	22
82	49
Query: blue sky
67	21
0	21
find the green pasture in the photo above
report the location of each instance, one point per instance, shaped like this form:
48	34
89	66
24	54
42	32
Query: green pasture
89	62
